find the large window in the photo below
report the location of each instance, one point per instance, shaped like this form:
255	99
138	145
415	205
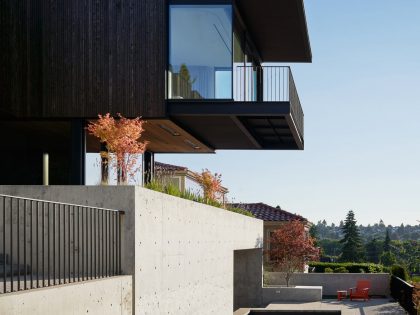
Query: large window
200	52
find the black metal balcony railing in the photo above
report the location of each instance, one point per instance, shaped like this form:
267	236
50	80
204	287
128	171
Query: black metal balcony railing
403	293
45	243
250	84
268	84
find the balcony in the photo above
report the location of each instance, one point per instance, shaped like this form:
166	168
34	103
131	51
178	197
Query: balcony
264	111
269	84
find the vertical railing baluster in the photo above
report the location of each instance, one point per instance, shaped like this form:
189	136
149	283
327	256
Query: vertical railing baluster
24	243
4	244
116	242
18	243
113	243
119	243
83	247
43	244
11	245
107	245
69	242
105	229
91	243
96	234
64	244
102	244
59	243
95	224
48	245
78	243
32	245
54	252
37	244
110	241
74	243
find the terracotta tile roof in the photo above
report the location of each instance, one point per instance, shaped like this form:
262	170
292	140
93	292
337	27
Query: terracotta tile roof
265	212
163	167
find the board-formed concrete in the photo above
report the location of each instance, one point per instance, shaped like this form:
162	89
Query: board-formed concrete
331	282
179	252
109	296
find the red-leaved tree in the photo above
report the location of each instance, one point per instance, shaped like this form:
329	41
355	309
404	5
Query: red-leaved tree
122	139
211	184
290	248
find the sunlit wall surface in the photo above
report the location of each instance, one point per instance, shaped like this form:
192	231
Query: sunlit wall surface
200	52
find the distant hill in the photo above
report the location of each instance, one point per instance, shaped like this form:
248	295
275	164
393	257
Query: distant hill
403	248
369	232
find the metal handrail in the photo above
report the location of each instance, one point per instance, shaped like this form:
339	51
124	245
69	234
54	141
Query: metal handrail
59	203
403	293
45	243
268	84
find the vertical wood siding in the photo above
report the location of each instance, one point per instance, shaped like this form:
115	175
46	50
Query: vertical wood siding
78	58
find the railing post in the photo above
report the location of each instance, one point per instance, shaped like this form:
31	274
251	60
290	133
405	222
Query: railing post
260	82
120	224
45	169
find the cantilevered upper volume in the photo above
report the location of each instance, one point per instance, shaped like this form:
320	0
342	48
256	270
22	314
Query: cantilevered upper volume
200	71
218	86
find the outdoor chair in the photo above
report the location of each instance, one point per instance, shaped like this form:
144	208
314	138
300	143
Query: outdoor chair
361	291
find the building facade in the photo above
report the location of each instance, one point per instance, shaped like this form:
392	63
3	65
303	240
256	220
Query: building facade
195	70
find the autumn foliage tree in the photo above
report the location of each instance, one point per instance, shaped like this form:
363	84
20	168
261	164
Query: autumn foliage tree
290	248
211	184
121	137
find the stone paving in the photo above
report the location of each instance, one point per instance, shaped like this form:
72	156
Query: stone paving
347	307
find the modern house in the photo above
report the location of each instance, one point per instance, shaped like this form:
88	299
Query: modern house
195	70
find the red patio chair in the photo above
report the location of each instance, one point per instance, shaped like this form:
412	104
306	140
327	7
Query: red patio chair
361	291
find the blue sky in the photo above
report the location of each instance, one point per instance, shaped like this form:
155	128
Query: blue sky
361	102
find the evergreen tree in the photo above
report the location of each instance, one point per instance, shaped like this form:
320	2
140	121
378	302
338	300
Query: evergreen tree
352	244
387	242
373	250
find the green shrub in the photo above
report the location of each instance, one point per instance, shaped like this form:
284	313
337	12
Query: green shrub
351	267
340	270
400	272
173	190
241	211
388	259
155	185
328	270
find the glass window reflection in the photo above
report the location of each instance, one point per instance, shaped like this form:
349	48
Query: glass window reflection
200	52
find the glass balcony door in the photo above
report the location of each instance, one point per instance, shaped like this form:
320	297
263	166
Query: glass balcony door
200	52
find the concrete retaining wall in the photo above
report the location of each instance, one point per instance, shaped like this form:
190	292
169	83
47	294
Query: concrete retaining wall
105	296
247	269
179	252
292	294
331	282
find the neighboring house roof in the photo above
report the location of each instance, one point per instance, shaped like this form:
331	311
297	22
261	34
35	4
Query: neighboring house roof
265	212
169	169
163	167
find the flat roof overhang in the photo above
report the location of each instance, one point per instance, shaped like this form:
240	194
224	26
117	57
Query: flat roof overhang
278	29
230	125
163	136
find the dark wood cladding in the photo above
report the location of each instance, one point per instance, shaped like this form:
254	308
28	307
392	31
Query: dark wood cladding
79	58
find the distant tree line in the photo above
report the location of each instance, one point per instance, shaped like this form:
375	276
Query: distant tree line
378	243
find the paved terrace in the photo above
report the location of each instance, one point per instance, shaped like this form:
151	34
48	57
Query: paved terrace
347	307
